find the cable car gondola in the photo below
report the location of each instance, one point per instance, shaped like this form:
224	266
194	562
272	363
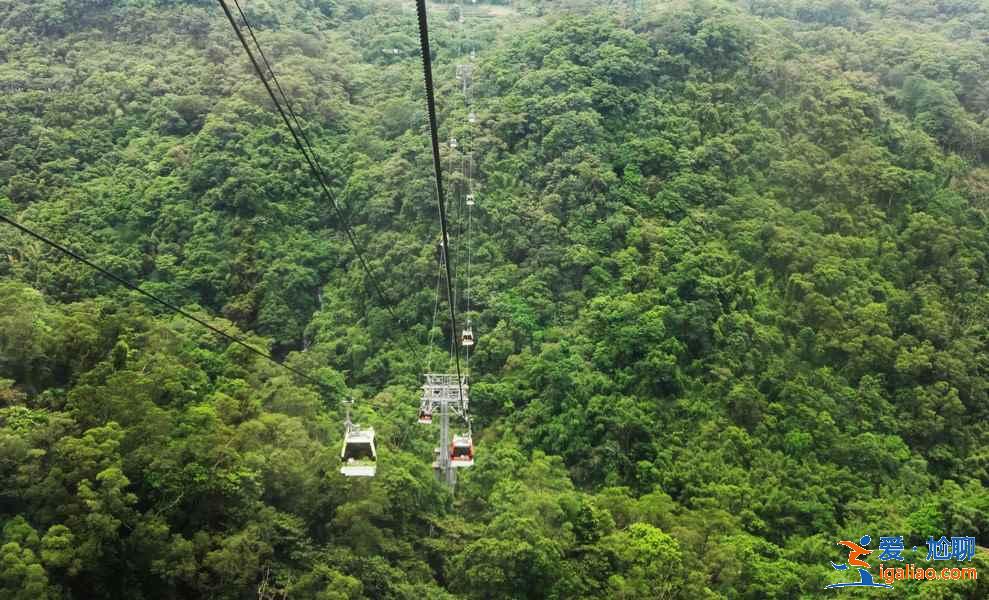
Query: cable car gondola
425	417
467	339
358	456
470	199
462	451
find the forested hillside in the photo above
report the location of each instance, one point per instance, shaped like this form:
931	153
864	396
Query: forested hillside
730	291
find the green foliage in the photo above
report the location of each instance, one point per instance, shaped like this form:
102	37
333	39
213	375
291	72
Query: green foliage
728	279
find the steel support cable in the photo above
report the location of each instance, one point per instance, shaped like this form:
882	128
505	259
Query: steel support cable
455	183
462	243
456	186
460	27
469	240
310	160
467	171
158	300
314	165
432	325
427	74
456	281
289	108
446	252
470	212
459	218
464	207
281	92
321	176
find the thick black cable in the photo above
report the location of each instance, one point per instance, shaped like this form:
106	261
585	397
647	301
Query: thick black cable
312	159
313	163
427	73
281	92
134	287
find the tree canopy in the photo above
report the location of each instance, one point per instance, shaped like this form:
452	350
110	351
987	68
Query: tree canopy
729	284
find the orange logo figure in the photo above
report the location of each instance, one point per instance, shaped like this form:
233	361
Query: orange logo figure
855	551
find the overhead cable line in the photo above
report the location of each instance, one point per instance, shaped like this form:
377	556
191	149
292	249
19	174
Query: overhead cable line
427	73
281	92
306	149
432	325
157	299
465	74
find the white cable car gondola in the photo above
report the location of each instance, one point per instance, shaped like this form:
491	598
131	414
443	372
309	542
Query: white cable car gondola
470	199
453	143
467	339
472	117
358	456
425	417
462	451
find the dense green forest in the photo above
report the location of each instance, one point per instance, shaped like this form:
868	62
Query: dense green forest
730	288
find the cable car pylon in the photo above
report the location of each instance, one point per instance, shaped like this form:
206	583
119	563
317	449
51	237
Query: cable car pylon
443	393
